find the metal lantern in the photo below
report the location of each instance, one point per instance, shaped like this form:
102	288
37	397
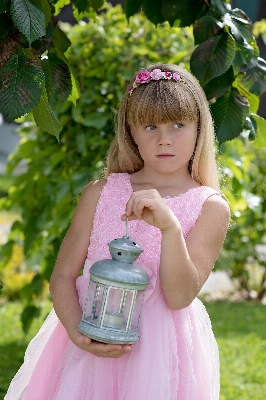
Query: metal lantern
115	295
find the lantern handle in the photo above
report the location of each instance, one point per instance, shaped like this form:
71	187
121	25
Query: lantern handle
127	226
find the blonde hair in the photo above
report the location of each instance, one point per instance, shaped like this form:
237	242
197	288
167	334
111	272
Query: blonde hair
160	102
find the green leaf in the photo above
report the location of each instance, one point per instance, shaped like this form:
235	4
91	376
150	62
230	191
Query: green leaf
96	120
253	100
255	79
219	7
96	4
186	11
29	18
241	25
21	84
47	11
132	7
213	57
153	11
29	313
59	5
250	128
45	117
205	27
229	114
61	41
260	140
218	86
244	53
5	25
75	94
81	5
4	6
57	79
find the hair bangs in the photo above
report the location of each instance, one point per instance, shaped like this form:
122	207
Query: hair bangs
159	102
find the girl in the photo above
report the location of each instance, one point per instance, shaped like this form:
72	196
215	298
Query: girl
161	173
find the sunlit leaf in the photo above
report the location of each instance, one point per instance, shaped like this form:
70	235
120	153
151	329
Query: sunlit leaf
241	23
59	5
206	27
255	79
213	57
229	113
29	18
21	84
260	140
132	7
253	100
219	7
45	117
75	94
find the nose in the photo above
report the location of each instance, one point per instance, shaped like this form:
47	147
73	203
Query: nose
164	137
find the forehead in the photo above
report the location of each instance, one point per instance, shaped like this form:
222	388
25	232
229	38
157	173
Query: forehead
161	102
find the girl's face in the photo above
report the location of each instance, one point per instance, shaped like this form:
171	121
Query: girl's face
167	147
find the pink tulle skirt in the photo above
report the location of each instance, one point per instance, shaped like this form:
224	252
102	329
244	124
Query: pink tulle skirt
176	358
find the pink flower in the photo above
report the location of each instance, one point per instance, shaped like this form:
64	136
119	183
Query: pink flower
168	75
176	77
156	74
143	77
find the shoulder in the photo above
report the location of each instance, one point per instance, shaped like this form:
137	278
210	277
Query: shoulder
216	214
216	204
90	197
93	189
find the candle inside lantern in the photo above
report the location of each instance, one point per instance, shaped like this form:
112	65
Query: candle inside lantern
113	320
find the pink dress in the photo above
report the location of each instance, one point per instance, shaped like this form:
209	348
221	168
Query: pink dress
176	357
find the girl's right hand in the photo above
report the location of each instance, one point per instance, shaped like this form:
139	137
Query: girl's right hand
100	349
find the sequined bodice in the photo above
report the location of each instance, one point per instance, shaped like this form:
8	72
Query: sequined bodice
107	223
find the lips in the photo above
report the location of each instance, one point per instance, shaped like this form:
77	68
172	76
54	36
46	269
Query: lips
165	155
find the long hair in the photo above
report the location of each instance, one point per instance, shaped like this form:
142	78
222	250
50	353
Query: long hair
165	101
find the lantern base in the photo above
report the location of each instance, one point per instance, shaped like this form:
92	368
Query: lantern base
108	335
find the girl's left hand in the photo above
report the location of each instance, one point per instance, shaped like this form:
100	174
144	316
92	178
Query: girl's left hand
149	206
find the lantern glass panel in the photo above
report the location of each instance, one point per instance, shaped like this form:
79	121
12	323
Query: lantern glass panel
137	310
118	308
94	302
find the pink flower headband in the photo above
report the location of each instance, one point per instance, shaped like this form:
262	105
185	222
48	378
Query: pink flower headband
155	75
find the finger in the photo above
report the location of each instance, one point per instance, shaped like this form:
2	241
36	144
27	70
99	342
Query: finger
130	217
133	197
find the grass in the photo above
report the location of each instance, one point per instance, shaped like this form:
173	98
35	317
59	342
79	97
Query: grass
240	332
238	327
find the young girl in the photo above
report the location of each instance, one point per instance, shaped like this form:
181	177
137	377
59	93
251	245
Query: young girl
161	173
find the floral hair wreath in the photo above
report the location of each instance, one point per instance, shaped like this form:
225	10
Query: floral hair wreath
155	75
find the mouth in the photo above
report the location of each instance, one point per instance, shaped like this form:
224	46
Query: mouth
165	155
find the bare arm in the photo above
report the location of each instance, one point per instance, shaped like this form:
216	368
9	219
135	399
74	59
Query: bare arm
70	261
185	265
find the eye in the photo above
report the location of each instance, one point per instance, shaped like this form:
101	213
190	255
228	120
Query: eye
178	125
150	127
